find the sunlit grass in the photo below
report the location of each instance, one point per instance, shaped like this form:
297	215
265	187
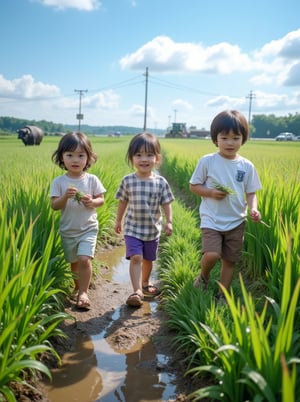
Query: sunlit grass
34	271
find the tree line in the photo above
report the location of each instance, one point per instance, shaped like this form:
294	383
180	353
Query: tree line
9	126
269	126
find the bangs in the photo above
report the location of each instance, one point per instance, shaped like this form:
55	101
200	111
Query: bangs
231	123
71	143
144	144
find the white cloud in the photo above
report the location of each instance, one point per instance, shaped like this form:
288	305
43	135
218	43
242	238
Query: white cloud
26	87
182	103
272	102
227	102
82	5
163	54
102	100
292	75
262	102
137	110
287	47
280	60
277	62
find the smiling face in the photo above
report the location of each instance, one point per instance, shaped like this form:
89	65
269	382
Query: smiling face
144	162
229	144
75	161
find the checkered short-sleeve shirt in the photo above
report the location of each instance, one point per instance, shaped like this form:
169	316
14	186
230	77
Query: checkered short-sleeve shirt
144	197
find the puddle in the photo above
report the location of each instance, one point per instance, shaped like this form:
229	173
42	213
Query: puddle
94	371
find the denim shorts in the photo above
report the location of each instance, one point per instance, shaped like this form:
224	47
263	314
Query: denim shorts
227	244
80	245
148	249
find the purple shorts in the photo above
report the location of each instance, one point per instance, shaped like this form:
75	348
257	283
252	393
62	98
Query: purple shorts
148	249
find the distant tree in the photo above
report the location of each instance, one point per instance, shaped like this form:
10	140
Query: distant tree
268	126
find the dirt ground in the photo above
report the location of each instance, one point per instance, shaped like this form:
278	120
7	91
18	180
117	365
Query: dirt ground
132	326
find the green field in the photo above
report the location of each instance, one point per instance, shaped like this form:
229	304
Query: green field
248	350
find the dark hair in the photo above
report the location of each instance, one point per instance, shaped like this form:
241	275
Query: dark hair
146	141
229	120
68	143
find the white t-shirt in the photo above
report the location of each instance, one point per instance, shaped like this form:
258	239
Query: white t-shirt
239	174
75	217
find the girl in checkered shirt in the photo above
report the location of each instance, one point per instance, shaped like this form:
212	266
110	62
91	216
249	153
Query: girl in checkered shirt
142	196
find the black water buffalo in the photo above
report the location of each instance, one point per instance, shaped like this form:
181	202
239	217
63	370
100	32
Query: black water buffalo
30	135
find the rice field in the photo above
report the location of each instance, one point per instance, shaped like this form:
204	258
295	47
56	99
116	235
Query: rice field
248	350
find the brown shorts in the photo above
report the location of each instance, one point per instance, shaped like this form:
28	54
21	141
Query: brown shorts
227	244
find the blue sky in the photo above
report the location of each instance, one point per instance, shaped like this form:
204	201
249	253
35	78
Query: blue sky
202	57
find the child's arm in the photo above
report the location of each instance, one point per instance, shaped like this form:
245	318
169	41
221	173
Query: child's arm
168	228
120	212
203	191
60	202
252	205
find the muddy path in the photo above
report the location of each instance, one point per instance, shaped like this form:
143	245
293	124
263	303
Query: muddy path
151	369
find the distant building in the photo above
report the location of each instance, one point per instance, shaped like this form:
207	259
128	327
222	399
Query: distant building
178	130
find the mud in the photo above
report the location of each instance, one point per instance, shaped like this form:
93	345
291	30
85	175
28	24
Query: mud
114	352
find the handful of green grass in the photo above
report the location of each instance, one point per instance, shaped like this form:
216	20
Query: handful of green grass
78	196
225	189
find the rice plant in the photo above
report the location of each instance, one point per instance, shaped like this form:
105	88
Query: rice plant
256	358
29	304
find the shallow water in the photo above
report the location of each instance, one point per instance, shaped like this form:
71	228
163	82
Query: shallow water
94	371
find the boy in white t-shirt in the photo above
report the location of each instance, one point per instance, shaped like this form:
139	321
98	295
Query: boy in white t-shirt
227	184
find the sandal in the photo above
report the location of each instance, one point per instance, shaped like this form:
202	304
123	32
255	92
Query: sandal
83	303
134	300
151	290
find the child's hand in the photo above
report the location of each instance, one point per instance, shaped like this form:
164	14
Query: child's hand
87	201
118	227
255	215
168	229
218	194
71	192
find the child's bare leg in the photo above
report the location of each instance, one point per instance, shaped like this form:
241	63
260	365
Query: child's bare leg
74	269
208	261
227	272
135	271
148	288
146	271
84	276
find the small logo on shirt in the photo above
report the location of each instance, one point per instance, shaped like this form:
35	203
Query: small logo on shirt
240	174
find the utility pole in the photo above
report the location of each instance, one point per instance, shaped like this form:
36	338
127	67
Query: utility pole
175	112
146	100
79	115
250	97
169	122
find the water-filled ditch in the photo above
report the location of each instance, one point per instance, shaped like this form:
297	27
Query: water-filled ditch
94	371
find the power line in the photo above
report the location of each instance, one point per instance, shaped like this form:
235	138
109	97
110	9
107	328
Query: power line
169	84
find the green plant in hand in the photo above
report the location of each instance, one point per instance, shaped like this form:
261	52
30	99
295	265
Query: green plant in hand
226	189
78	196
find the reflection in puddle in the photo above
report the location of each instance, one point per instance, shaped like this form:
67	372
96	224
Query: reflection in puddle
96	372
78	375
